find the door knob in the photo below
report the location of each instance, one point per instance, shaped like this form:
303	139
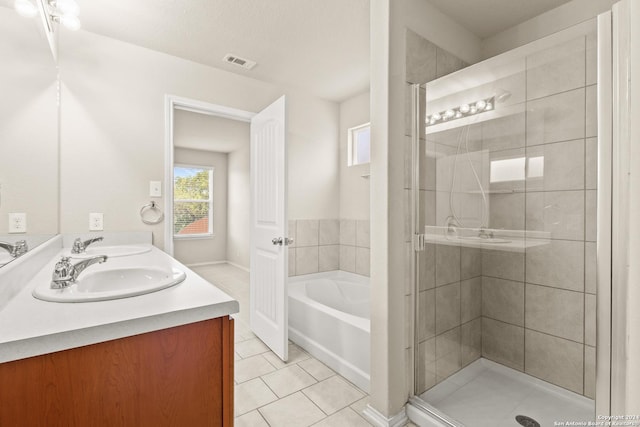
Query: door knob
277	241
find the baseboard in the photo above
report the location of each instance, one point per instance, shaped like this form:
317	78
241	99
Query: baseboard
204	264
379	420
238	266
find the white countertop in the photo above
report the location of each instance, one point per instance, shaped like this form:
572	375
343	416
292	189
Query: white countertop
31	327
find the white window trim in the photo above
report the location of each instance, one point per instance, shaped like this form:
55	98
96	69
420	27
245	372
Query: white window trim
210	201
351	146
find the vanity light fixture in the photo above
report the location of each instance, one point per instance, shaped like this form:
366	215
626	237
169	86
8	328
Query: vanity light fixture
463	110
64	12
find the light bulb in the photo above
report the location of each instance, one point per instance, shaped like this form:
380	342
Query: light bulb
70	21
473	109
432	121
458	114
488	107
436	116
68	7
481	104
464	108
449	113
25	8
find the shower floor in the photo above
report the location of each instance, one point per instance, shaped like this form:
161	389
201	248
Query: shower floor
486	394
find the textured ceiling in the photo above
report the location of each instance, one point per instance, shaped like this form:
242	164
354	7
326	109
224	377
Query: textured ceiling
485	18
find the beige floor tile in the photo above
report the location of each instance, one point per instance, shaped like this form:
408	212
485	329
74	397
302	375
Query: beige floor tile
316	368
288	380
250	419
295	410
250	348
251	395
344	418
296	354
360	405
252	367
333	394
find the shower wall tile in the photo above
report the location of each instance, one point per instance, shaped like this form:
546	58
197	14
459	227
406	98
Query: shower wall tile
555	311
362	233
563	166
329	258
427	208
362	261
592	59
426	365
470	262
591	164
427	165
555	70
555	360
447	264
469	135
427	259
307	232
556	118
348	258
292	261
495	157
560	213
503	300
329	232
590	372
503	343
506	211
504	133
590	320
591	214
556	263
446	63
470	299
471	341
306	260
420	59
591	111
291	233
426	327
448	354
348	232
590	267
447	307
503	265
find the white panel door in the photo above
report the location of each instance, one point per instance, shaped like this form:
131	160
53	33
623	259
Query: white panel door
268	289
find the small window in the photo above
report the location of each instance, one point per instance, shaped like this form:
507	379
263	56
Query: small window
192	201
359	145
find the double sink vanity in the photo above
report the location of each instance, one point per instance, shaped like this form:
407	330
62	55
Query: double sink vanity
119	333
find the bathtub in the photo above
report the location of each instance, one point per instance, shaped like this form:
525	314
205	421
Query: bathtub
329	318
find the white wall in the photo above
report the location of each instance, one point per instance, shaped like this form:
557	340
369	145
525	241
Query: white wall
112	130
238	198
28	125
210	249
354	189
571	13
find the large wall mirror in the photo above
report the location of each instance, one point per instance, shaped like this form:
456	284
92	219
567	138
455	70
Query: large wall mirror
29	171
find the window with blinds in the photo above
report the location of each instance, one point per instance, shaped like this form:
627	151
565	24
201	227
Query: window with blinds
192	201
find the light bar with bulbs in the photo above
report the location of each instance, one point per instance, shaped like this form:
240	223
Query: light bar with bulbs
464	110
63	11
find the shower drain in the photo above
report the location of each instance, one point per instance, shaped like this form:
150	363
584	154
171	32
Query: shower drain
526	421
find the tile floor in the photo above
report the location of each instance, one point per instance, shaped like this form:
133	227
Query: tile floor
268	392
485	394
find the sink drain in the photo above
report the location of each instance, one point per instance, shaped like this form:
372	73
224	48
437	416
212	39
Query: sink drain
526	421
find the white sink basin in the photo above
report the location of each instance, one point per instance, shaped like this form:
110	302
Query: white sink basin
112	251
112	284
483	239
5	257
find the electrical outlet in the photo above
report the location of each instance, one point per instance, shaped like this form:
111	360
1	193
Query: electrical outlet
18	222
96	221
155	189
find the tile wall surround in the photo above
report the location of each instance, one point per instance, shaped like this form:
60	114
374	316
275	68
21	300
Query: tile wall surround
533	311
329	244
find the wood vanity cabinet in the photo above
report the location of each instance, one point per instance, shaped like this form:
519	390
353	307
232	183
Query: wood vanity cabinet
182	376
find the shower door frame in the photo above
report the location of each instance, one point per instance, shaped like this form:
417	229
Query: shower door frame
609	379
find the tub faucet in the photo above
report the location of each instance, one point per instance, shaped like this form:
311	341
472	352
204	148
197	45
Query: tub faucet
65	273
17	249
79	246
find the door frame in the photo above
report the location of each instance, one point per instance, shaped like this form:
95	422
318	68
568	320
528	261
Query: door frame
172	103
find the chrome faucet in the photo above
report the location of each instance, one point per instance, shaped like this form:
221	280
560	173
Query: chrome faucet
18	249
79	246
65	273
483	234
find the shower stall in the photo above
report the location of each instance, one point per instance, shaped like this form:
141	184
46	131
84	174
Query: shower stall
507	196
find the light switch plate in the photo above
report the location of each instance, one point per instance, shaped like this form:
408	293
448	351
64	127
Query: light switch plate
17	222
96	221
155	189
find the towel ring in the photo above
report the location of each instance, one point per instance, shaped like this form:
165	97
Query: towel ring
151	207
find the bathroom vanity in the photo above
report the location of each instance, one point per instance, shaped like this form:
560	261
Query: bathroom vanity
160	359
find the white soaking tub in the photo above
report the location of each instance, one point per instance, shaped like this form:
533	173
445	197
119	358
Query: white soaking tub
329	318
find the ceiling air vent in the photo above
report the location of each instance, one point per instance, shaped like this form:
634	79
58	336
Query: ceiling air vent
241	62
